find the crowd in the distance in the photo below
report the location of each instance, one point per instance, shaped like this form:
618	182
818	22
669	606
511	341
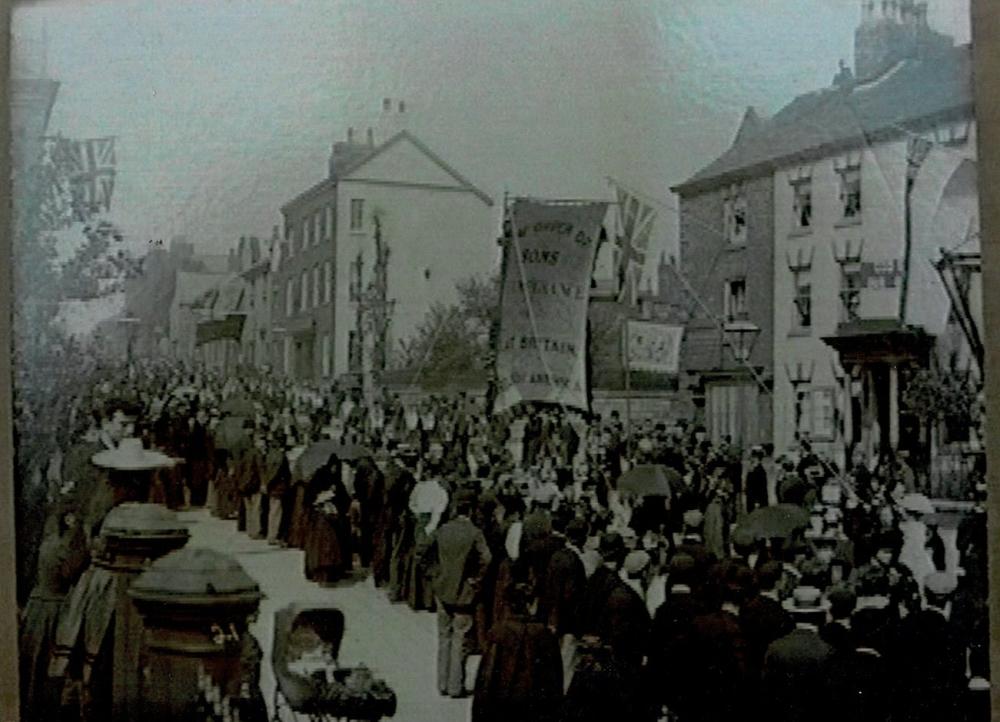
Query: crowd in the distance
581	601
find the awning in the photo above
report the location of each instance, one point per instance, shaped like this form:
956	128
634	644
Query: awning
230	327
880	340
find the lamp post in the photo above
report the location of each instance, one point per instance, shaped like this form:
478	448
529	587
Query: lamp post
741	337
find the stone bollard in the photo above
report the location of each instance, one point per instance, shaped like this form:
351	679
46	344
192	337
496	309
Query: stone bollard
196	605
133	535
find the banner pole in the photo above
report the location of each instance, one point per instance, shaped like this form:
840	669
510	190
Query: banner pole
628	381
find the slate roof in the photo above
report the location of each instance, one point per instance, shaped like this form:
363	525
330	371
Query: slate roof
913	93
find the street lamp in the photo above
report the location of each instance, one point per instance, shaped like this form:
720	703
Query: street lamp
741	336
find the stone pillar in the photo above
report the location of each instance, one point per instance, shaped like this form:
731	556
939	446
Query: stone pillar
196	606
893	406
133	534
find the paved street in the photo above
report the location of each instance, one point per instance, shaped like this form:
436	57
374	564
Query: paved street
397	643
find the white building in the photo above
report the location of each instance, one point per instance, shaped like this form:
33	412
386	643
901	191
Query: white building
438	229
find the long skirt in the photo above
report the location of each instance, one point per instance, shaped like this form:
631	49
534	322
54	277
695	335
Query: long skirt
327	557
402	550
39	692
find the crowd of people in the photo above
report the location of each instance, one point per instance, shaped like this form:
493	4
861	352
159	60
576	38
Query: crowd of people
754	584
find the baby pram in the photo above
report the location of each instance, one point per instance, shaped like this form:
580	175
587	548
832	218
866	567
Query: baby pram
309	680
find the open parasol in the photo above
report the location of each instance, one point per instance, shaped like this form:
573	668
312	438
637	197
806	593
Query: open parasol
314	457
775	522
648	480
230	434
129	455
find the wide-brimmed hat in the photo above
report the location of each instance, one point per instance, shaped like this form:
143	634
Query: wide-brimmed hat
131	456
917	504
806	600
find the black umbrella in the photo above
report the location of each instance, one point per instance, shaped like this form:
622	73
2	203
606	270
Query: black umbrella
775	522
648	480
314	457
231	435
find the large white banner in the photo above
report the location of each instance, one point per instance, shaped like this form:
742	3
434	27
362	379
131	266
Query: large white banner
654	347
548	264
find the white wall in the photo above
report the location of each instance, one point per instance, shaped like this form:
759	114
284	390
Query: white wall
883	178
448	233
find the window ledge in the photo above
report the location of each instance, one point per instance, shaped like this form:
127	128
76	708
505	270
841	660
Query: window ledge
800	333
736	246
800	232
847	222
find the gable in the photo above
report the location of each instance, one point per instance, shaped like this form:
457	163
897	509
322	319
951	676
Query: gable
405	160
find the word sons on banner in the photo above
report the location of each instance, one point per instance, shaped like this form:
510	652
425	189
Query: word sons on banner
548	264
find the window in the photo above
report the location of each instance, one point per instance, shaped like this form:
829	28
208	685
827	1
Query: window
317	237
850	291
327	281
734	212
329	221
325	349
303	232
803	304
290	297
323	222
850	192
817	414
735	300
802	204
353	352
357	214
304	303
315	286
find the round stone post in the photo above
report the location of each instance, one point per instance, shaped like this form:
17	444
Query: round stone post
133	535
196	605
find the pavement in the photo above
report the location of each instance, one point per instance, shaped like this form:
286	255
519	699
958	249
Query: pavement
396	643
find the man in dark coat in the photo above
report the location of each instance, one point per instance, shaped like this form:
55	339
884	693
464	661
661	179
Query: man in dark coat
929	658
562	591
459	557
369	490
763	619
756	486
795	683
624	626
837	632
602	581
859	677
717	649
392	532
671	629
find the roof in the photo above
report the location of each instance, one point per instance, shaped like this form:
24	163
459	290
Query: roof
351	157
911	94
192	286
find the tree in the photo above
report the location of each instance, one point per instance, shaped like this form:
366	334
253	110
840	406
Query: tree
454	338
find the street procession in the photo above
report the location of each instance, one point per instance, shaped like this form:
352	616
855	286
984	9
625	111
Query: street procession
683	445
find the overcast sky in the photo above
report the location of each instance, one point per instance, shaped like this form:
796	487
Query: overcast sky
225	110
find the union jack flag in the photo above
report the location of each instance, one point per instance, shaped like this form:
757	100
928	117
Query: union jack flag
90	166
635	222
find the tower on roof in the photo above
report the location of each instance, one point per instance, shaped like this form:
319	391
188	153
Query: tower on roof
891	31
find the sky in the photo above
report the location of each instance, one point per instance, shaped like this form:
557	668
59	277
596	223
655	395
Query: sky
225	110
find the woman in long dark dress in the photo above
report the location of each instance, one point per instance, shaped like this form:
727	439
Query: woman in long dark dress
520	676
328	541
62	557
